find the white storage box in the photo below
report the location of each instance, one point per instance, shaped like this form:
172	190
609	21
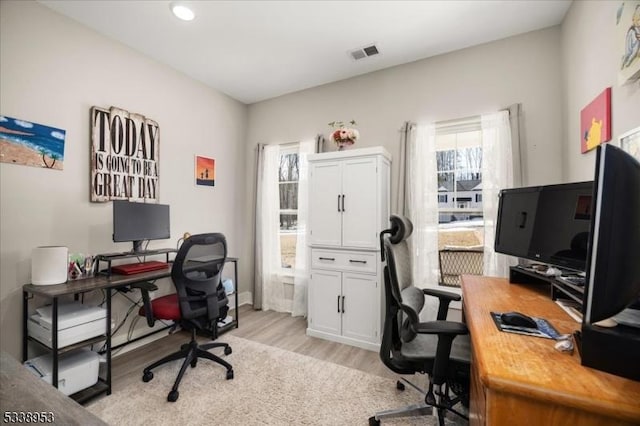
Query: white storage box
76	322
77	370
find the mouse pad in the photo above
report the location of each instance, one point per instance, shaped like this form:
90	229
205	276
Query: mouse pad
544	329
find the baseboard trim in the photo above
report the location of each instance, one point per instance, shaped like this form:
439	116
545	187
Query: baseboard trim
345	340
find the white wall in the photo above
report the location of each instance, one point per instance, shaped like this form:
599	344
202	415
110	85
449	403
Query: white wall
590	52
52	71
486	78
471	81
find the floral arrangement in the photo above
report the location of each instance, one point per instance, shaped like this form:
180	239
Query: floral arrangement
342	135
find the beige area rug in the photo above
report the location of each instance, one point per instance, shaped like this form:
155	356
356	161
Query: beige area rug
271	386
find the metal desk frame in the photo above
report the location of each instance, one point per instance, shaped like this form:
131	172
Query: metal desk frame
76	287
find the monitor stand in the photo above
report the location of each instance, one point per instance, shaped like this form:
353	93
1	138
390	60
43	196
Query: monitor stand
137	246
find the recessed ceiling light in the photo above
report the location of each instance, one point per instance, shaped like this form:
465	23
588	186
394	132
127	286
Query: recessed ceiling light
182	12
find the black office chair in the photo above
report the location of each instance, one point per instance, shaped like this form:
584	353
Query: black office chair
199	302
439	349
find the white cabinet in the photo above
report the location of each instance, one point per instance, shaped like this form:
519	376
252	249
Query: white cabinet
346	200
348	207
344	304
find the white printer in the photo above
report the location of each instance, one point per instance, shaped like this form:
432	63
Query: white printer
76	322
76	370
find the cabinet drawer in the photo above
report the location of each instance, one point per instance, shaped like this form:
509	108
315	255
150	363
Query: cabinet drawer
343	260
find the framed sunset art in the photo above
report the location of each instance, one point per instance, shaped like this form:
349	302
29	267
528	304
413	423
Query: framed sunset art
205	171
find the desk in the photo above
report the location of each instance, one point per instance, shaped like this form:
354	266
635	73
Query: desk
22	392
107	283
523	380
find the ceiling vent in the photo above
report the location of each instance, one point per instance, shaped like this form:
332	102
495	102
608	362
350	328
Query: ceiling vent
364	52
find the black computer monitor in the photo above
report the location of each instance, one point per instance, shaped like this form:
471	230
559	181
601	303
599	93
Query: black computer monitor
613	259
137	222
547	224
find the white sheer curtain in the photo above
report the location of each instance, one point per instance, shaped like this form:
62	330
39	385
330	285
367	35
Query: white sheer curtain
269	228
301	270
497	174
423	205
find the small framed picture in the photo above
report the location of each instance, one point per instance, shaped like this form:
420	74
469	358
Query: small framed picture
205	171
630	142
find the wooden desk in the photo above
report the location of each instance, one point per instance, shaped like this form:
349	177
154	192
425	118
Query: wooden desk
22	392
523	380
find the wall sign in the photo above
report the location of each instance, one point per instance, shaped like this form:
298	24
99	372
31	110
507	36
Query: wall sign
125	156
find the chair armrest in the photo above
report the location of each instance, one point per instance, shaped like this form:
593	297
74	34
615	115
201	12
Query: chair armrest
145	287
441	294
445	298
450	328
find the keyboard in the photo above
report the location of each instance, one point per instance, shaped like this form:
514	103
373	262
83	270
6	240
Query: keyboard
138	267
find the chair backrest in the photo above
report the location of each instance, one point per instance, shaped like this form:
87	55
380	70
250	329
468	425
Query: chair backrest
455	262
197	273
403	301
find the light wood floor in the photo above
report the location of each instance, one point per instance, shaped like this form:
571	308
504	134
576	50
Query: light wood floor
267	327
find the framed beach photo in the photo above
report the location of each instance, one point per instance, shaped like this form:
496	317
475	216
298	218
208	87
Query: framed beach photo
630	142
205	171
31	144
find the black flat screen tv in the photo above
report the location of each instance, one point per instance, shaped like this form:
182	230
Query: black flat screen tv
548	224
613	261
137	222
613	266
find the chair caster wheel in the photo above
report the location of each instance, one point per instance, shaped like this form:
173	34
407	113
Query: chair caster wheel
173	396
399	385
227	350
147	376
373	421
194	363
229	374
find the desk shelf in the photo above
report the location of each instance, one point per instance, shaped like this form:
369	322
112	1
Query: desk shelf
92	391
110	257
558	289
71	347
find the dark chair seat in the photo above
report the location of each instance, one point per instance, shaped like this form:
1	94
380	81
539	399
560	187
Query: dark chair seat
459	357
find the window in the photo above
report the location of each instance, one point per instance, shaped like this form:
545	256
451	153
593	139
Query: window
459	168
288	175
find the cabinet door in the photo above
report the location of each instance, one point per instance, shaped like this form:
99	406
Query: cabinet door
360	215
360	307
325	218
324	301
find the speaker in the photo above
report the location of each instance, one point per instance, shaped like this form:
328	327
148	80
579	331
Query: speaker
614	350
49	265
